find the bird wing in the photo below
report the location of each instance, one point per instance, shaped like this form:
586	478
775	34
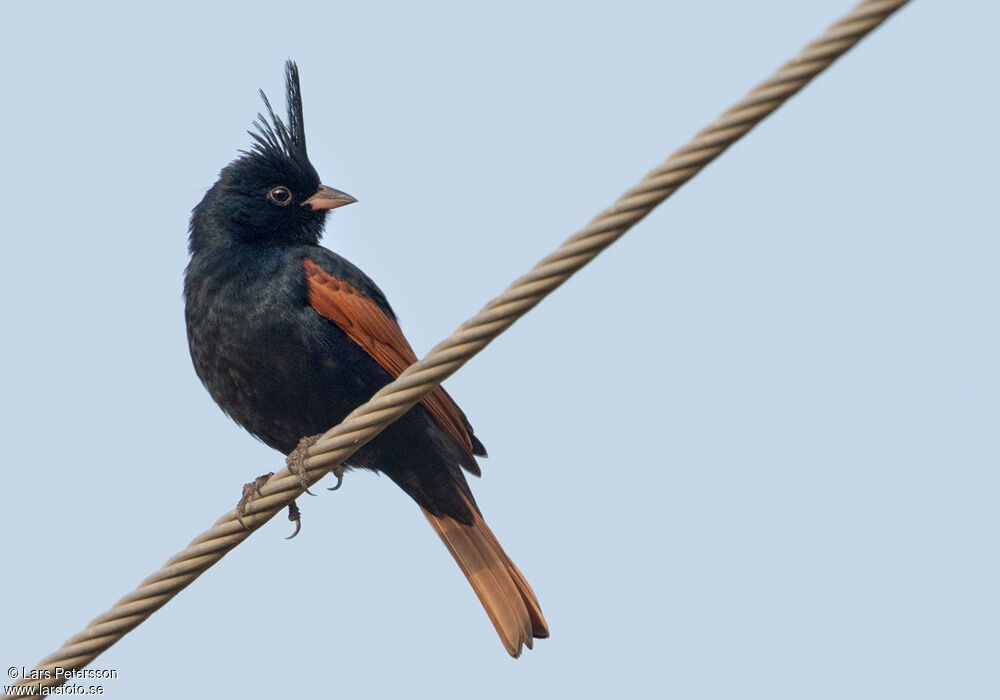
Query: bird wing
367	324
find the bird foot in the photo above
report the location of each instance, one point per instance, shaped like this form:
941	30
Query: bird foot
249	491
296	460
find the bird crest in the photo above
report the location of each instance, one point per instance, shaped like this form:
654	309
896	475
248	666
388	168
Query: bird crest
274	140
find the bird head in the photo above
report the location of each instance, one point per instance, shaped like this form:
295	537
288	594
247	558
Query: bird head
271	194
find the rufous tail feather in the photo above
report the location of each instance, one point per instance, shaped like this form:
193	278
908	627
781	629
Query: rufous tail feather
500	586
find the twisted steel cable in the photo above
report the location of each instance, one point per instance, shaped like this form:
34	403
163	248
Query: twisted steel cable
396	398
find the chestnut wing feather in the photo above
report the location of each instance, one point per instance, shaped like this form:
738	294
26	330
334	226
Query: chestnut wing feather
381	337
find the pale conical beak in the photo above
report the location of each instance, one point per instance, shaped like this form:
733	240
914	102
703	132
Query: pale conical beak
328	198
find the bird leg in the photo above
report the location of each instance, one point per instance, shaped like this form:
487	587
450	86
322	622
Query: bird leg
249	491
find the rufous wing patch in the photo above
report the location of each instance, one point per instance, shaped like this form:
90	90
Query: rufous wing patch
378	335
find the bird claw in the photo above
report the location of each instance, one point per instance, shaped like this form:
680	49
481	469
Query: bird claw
249	491
295	516
338	472
296	460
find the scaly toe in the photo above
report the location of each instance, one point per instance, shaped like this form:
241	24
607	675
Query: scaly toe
249	491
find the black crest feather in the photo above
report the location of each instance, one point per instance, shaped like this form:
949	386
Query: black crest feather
273	138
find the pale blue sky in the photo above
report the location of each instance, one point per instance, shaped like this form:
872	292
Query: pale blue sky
750	452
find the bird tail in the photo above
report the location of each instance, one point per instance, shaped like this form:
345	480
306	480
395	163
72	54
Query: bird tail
500	586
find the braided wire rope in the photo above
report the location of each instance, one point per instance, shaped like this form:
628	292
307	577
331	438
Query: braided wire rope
393	400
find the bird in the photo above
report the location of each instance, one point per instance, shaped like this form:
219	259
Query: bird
288	337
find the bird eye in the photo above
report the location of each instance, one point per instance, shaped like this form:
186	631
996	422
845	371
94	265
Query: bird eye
280	196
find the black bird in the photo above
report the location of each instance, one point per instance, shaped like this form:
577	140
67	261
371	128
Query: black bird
289	337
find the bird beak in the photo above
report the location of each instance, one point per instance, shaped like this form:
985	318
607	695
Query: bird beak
328	198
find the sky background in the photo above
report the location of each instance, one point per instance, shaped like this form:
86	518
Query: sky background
751	451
